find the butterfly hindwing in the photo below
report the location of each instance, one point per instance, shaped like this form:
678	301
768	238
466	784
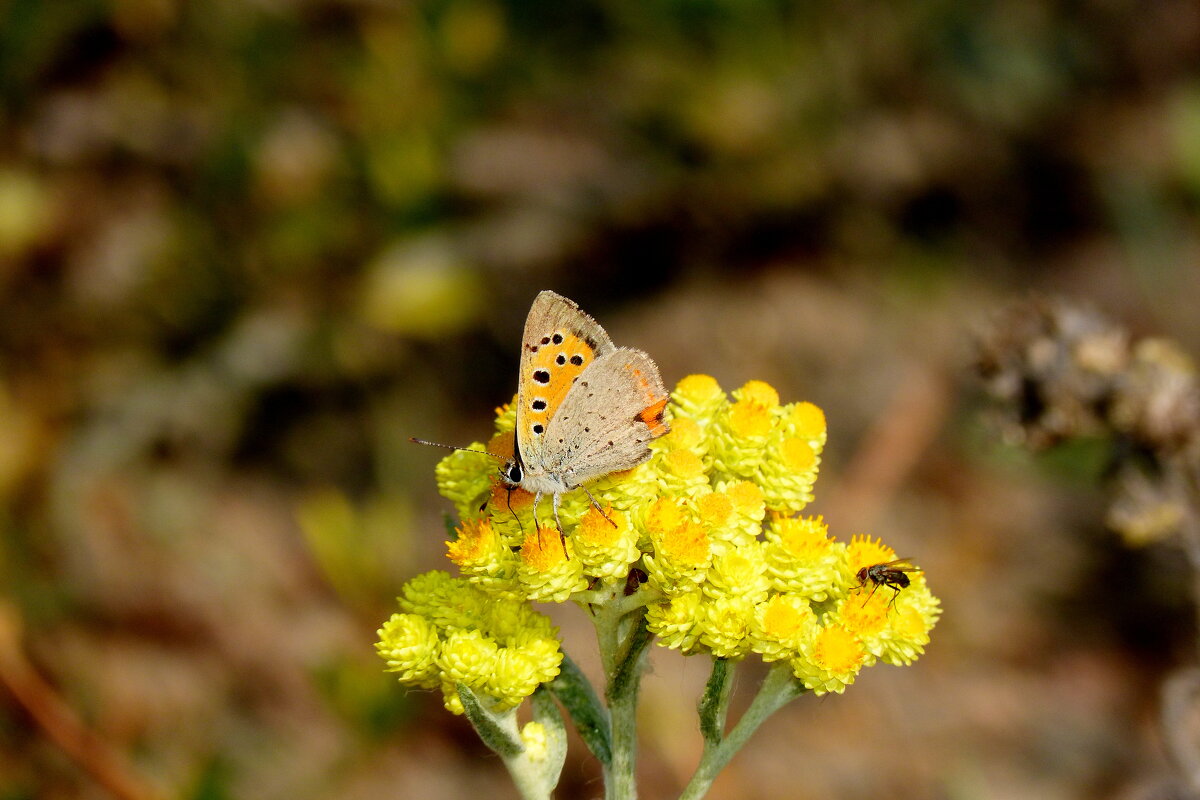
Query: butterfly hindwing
559	344
606	419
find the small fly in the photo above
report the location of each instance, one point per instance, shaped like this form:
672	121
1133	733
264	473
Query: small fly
892	574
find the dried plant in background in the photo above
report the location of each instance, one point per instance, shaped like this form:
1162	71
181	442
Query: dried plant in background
1062	372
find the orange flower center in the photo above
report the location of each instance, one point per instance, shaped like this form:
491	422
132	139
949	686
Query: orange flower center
686	544
809	420
798	455
597	531
544	549
783	620
837	650
475	539
685	463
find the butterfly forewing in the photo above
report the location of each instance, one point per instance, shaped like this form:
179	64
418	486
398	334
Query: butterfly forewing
606	419
560	342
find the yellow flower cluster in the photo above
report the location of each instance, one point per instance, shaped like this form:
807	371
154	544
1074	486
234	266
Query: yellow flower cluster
451	631
710	526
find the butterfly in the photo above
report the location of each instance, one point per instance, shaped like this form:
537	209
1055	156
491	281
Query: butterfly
585	407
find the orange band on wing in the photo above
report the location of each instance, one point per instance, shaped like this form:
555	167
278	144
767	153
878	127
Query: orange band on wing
554	363
653	417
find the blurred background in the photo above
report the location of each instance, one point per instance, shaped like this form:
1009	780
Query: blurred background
248	247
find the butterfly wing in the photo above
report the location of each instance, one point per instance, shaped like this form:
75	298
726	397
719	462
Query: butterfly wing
606	419
560	342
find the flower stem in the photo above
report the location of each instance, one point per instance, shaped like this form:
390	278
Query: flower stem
529	783
714	704
607	623
622	693
623	638
778	688
645	595
498	730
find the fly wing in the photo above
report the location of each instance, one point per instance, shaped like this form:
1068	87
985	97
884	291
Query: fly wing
560	342
607	418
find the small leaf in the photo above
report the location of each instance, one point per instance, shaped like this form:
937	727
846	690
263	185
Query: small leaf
546	711
489	725
575	692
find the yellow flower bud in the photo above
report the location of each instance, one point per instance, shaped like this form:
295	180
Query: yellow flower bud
830	660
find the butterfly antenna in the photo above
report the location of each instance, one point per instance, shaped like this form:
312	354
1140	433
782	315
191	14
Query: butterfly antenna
508	502
415	440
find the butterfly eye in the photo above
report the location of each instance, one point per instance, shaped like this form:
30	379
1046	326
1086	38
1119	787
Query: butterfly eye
511	473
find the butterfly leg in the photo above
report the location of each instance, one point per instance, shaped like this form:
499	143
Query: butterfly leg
596	506
537	497
562	537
